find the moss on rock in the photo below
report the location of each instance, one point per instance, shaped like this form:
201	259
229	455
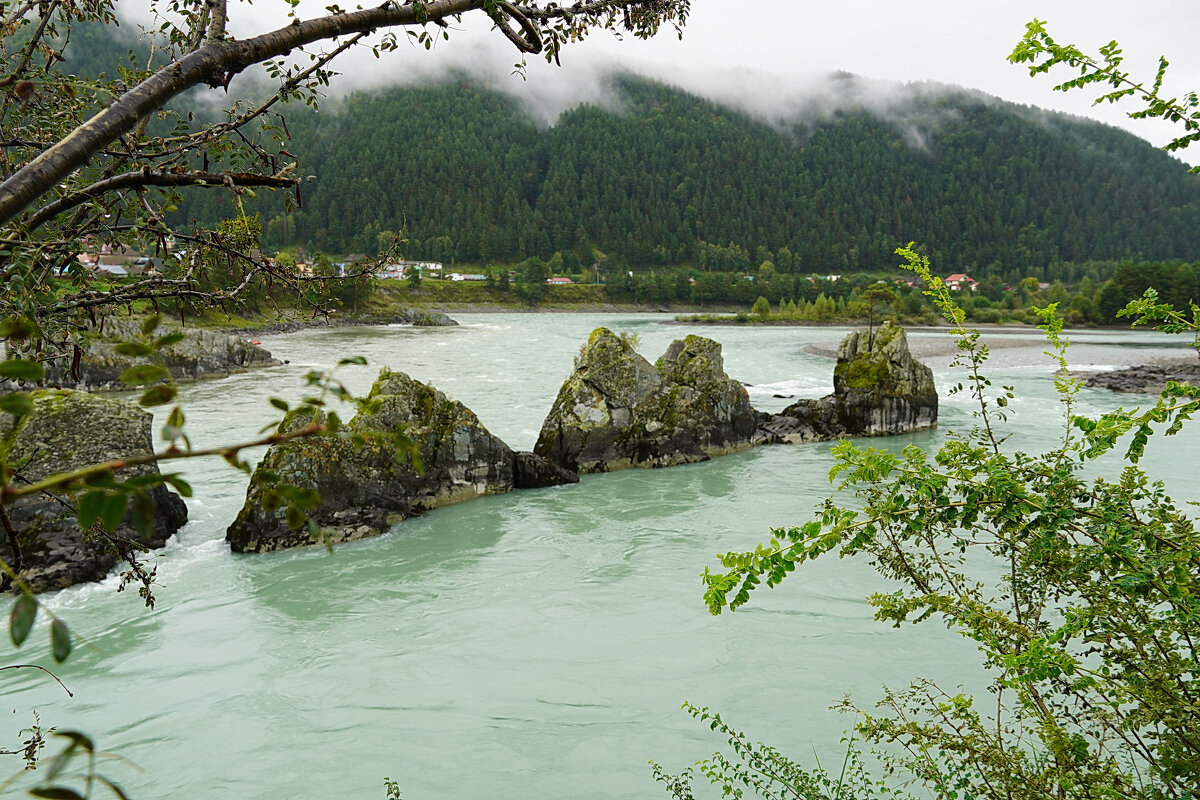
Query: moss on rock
365	488
616	410
69	430
879	389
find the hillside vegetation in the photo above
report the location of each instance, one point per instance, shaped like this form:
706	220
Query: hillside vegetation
669	178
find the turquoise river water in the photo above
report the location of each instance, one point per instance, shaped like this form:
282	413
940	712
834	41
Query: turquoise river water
533	645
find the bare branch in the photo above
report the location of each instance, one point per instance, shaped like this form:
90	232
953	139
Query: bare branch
217	60
218	12
149	177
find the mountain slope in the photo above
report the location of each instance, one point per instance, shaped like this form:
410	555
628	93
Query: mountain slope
982	183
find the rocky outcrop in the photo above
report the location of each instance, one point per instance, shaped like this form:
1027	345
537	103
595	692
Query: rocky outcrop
1148	378
198	355
415	450
617	410
70	430
879	389
418	318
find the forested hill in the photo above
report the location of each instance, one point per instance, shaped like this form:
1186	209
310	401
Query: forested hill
668	178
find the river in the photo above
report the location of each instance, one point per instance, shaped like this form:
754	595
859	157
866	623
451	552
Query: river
533	645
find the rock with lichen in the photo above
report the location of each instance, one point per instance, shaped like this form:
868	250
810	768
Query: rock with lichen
412	449
66	431
879	389
616	410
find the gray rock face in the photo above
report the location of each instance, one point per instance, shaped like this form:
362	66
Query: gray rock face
618	411
1149	378
422	318
202	354
531	471
365	489
70	430
879	389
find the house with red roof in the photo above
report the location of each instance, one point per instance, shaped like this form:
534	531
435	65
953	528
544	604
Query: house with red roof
959	281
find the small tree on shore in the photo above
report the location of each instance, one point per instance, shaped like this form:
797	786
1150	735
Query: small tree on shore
761	308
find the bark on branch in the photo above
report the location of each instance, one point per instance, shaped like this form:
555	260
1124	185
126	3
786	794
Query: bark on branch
149	177
212	63
218	59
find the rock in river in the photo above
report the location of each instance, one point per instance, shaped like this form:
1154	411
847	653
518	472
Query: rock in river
69	430
420	450
617	410
879	389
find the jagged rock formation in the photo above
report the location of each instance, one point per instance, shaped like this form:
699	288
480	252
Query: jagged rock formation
201	354
69	430
617	410
422	450
879	389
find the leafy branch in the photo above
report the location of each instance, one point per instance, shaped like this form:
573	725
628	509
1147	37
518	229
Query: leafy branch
1042	52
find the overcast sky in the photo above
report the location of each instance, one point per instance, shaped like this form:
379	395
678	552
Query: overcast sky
764	53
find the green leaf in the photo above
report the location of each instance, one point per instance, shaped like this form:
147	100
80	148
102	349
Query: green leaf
143	374
21	369
60	640
150	324
359	360
78	740
143	514
295	517
56	793
20	620
113	511
134	349
17	328
169	339
282	405
89	508
157	395
179	484
18	404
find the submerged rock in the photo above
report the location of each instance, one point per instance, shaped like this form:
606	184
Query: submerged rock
421	451
879	389
618	411
69	430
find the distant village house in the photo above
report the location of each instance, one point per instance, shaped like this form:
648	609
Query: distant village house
959	281
400	269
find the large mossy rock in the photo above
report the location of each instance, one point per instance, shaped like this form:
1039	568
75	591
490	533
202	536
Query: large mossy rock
365	489
879	389
70	430
617	410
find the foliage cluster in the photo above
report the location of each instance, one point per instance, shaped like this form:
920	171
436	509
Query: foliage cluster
1082	594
